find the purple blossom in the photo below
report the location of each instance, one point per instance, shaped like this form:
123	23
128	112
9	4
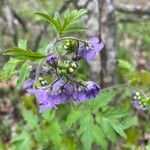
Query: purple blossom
60	85
61	98
61	93
44	98
83	94
28	83
136	105
93	89
94	47
52	60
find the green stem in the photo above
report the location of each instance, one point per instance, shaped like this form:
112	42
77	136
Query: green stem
38	73
71	38
115	86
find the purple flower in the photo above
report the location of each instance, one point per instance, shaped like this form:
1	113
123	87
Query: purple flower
28	83
94	47
83	94
52	60
93	89
61	98
136	105
60	93
60	85
44	98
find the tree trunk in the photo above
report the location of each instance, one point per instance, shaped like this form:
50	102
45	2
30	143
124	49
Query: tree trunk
107	30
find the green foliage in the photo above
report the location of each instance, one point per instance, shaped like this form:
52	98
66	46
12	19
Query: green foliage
101	101
8	69
86	129
23	74
99	137
53	133
22	141
30	118
67	24
125	65
84	124
24	54
72	118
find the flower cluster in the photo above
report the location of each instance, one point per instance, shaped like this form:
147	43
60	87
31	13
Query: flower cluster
65	87
138	102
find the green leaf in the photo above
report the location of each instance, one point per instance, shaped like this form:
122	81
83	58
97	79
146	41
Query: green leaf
30	118
99	137
51	20
53	133
72	17
8	69
85	130
48	115
58	20
72	118
125	65
107	128
126	123
68	24
24	72
118	128
101	100
115	113
22	141
24	54
144	77
148	101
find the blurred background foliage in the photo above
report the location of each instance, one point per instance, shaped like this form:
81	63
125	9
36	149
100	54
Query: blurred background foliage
97	124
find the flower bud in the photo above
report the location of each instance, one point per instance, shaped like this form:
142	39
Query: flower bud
71	70
138	102
63	72
44	82
52	60
70	46
74	65
40	79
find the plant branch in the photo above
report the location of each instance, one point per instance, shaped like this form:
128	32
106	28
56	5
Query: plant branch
133	19
132	9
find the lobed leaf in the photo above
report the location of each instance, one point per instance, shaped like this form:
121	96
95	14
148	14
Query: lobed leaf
99	137
53	133
72	118
85	130
30	118
8	69
55	23
72	17
23	74
107	128
102	100
24	54
23	141
118	128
